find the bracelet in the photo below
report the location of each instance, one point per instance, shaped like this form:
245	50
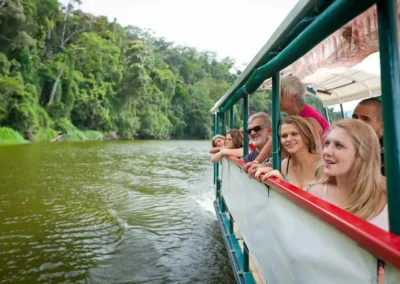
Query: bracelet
255	161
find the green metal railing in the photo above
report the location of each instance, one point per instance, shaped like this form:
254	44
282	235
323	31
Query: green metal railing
276	98
390	85
310	31
216	165
245	118
335	16
241	256
222	120
232	118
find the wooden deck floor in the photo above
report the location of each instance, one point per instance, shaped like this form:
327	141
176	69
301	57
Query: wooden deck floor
258	278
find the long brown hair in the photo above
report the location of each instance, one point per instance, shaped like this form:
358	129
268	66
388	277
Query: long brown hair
237	138
305	131
366	189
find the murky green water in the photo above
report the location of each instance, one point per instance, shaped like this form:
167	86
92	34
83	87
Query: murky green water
109	212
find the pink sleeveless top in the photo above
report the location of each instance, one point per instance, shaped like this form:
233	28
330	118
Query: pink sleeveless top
310	112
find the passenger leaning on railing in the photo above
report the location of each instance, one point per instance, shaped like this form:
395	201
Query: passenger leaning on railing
259	131
302	164
352	168
233	146
217	143
293	102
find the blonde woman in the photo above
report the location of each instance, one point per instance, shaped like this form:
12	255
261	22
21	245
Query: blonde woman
302	164
233	146
353	172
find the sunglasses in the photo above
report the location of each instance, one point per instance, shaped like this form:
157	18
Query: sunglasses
256	129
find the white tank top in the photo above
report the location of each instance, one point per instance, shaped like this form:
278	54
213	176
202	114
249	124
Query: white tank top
381	220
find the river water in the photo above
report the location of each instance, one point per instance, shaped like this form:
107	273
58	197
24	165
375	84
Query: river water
109	212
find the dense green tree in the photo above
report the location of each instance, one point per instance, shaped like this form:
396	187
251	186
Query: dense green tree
61	68
260	102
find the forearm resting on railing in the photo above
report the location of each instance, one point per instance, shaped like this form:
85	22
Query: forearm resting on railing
265	153
227	152
214	150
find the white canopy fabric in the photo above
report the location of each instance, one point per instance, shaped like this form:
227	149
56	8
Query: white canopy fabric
355	42
340	85
335	86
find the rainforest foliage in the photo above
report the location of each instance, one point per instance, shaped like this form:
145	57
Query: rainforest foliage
64	70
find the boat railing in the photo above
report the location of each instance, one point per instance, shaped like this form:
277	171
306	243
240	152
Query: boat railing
286	230
295	237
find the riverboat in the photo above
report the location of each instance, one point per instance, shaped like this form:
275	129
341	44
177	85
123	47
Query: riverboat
275	232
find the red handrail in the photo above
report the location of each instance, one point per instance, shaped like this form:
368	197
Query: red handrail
380	243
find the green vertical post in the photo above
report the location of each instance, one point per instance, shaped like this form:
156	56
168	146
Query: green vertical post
327	114
231	118
245	258
245	118
216	123
390	84
222	118
276	113
230	228
222	205
216	130
342	111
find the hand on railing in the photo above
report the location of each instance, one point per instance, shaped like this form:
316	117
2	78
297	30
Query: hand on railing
248	165
267	172
260	173
251	167
274	173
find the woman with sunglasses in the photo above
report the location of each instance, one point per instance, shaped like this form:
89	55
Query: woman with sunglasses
233	146
302	163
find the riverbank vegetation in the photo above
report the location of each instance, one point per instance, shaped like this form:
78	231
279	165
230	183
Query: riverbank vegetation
10	136
66	71
69	75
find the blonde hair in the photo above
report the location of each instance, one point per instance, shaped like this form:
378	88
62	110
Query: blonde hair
366	189
290	86
305	131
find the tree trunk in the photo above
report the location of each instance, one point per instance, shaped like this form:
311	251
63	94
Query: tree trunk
54	89
65	25
2	3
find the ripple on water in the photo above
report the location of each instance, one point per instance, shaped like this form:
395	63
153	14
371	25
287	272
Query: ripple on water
126	212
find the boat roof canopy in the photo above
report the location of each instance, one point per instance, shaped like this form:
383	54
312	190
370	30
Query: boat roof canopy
341	85
342	67
349	85
299	11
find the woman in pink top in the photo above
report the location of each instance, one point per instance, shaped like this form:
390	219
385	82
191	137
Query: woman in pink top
293	102
353	179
